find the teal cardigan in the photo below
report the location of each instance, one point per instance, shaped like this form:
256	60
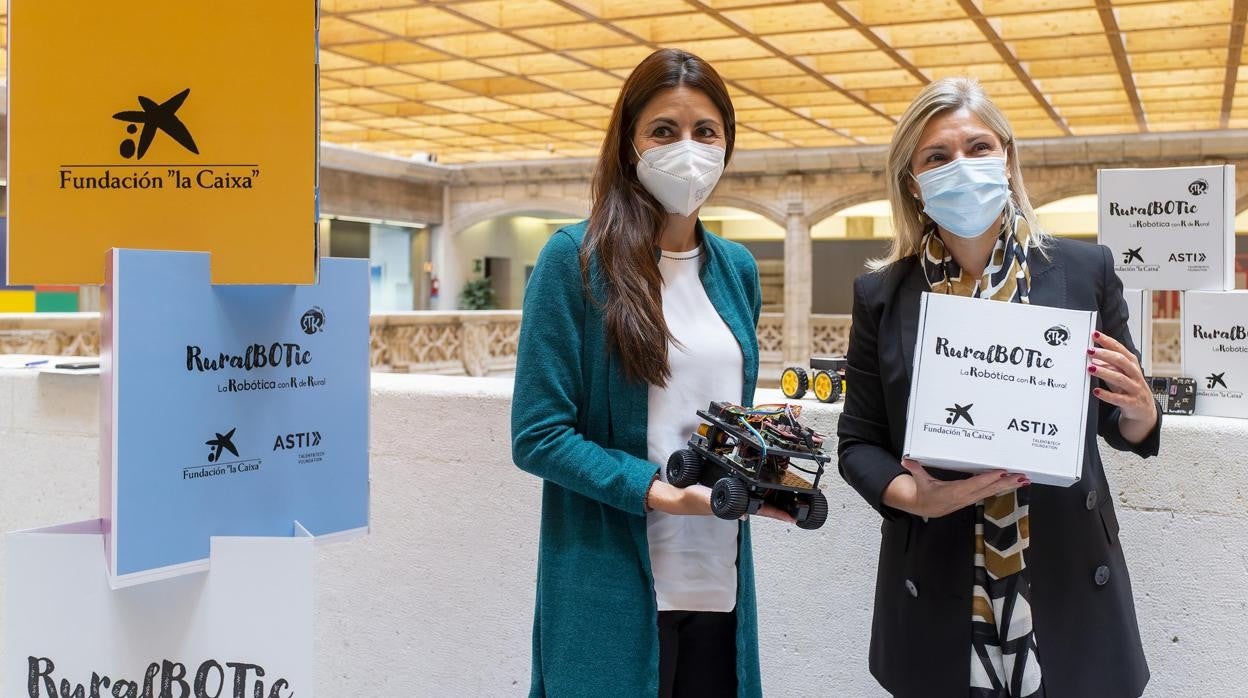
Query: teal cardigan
578	423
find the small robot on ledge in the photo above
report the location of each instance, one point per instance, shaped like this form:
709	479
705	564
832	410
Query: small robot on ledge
748	455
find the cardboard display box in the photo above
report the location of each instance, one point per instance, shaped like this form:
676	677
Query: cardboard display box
1170	228
1215	351
1009	390
1140	324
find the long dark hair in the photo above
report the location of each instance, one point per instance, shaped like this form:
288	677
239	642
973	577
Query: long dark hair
625	220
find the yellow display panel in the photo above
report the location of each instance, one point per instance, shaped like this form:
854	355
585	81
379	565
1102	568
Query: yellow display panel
17	301
162	125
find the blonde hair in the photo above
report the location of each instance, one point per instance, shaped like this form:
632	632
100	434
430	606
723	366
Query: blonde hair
945	95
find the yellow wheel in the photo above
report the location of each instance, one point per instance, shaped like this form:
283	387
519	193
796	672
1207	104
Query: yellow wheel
827	386
823	386
793	382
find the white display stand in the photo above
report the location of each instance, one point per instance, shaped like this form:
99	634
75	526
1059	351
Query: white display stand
248	619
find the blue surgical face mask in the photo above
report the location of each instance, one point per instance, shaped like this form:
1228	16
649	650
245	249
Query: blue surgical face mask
966	195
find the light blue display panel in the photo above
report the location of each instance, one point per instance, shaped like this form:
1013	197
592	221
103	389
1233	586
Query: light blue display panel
229	410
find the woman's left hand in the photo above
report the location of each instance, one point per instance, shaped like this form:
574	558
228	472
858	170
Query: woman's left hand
772	512
1125	386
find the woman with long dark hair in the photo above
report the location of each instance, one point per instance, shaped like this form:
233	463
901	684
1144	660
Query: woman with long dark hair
633	320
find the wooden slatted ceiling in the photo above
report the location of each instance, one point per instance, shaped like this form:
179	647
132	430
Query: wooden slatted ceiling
496	80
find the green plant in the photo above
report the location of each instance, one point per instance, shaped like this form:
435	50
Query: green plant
478	294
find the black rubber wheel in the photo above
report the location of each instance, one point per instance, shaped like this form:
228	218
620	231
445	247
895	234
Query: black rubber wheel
730	499
793	382
837	389
817	514
684	467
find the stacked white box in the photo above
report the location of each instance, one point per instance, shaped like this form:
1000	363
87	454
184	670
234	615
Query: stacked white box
1000	385
1170	228
1140	324
1215	351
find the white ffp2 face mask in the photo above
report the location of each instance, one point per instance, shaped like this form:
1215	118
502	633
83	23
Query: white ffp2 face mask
680	175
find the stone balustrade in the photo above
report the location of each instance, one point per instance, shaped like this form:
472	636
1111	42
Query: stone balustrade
475	343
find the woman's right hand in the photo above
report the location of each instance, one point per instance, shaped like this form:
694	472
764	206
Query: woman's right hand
694	500
921	494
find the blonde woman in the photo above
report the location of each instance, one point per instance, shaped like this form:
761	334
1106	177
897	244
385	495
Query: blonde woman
988	586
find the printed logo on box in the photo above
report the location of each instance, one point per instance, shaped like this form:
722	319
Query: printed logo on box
161	678
958	415
1216	386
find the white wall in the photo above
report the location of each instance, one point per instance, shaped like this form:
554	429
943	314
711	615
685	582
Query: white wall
437	601
519	238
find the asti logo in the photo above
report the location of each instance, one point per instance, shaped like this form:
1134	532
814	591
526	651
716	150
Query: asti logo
155	118
959	413
1031	426
1187	257
303	439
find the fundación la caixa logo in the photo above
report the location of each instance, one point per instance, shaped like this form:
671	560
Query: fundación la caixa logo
149	128
960	423
156	118
220	444
958	413
1217	385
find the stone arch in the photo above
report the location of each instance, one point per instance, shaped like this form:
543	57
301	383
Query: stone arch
832	207
474	214
1048	196
747	204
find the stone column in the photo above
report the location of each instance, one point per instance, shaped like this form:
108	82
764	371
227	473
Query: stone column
798	279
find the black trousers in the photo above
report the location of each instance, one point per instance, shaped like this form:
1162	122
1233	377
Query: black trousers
697	654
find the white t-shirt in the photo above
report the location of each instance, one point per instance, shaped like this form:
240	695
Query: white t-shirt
694	558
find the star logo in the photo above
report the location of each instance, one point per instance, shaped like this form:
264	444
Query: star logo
222	442
958	413
155	117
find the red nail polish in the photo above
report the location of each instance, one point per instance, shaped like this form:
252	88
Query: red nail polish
1091	352
1096	335
1091	369
1096	392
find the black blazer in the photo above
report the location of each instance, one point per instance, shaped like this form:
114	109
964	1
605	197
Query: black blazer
1083	611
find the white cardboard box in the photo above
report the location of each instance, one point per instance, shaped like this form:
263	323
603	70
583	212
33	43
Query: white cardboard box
1000	386
1140	324
1170	228
1215	350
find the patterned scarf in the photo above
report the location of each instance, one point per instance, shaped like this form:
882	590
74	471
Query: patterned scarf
1004	663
